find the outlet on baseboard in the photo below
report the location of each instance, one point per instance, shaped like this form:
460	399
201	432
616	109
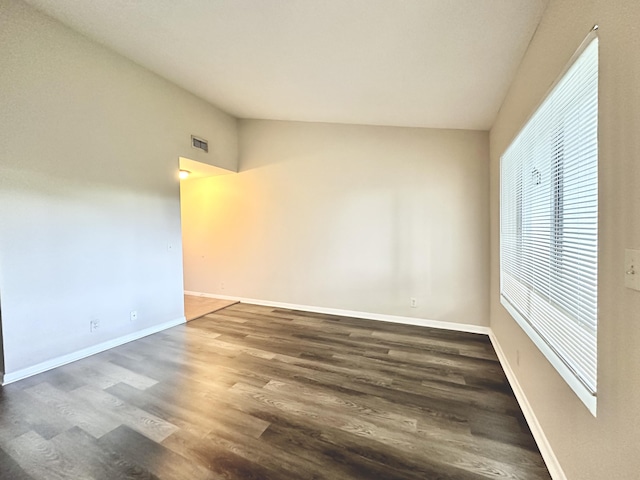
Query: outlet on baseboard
413	302
221	285
133	316
94	324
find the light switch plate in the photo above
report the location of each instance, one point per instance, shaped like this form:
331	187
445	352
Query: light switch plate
632	269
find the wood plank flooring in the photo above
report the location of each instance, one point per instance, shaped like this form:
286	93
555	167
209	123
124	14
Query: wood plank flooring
196	306
254	392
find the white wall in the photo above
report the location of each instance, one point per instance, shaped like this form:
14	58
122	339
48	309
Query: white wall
607	446
349	217
89	197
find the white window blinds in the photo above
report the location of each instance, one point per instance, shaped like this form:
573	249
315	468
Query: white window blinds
549	225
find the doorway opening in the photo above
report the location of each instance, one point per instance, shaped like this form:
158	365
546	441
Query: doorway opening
194	178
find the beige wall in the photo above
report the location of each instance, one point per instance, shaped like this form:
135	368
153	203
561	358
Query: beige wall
349	217
607	446
89	196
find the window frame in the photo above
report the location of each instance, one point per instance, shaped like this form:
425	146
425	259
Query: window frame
588	397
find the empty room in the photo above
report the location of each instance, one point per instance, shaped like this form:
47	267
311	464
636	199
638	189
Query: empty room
338	239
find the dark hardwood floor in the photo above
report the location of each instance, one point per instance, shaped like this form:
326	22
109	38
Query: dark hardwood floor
197	306
261	393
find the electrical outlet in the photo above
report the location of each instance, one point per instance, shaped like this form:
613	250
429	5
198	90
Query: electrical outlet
413	302
94	324
221	285
133	316
169	246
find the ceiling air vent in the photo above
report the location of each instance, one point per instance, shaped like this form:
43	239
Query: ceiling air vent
199	143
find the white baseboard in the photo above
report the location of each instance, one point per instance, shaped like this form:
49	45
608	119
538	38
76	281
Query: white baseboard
420	322
538	434
87	352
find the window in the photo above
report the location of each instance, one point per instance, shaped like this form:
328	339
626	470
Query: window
549	225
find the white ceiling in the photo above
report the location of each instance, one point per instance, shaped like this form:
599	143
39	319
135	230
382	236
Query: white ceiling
423	63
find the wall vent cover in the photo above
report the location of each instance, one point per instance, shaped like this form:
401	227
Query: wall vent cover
199	143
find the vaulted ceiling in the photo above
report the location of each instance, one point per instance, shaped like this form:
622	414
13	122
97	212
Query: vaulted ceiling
420	63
